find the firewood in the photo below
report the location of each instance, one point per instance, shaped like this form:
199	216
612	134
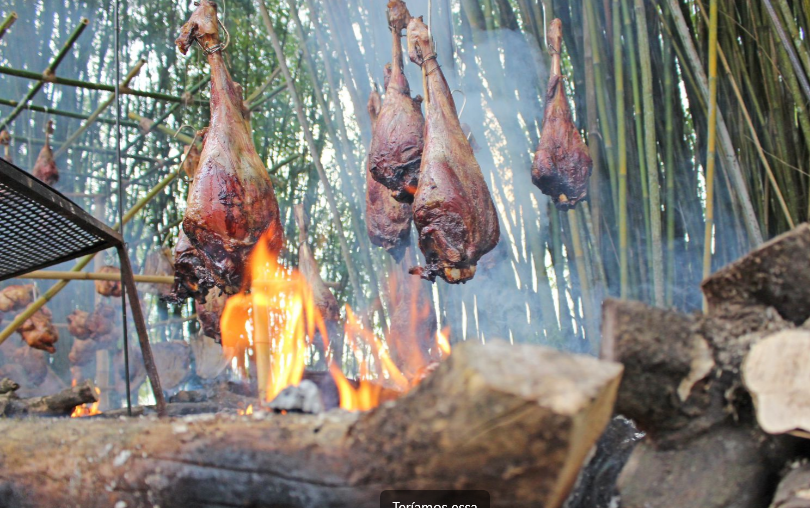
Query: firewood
770	275
794	489
60	404
517	421
776	374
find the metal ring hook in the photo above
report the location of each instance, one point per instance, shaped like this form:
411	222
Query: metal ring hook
184	126
461	111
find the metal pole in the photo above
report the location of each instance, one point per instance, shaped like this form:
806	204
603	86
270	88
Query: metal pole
123	249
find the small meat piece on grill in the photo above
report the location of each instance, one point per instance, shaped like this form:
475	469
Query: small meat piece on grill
159	262
77	324
101	321
388	222
452	209
209	314
34	362
398	138
82	352
38	331
109	287
5	142
231	200
191	278
45	167
16	297
562	163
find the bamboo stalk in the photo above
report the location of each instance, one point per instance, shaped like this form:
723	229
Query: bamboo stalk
10	19
710	155
67	114
99	110
651	153
83	262
83	148
88	85
70	275
733	166
591	332
154	126
783	38
622	135
47	73
302	120
595	190
669	167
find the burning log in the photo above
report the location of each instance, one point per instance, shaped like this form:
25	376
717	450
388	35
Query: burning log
517	421
60	404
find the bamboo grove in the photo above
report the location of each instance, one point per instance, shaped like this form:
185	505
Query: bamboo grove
694	143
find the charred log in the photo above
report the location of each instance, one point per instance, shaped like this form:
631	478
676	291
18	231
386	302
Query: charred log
60	404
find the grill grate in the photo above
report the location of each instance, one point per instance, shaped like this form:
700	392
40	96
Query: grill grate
39	227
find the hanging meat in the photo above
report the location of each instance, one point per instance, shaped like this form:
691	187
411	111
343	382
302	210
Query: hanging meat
191	278
452	209
562	163
158	262
109	287
231	200
77	324
82	352
16	297
38	331
388	222
5	142
398	139
191	160
209	313
34	363
45	167
102	321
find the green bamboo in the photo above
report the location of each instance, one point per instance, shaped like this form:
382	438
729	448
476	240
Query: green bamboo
618	70
67	114
669	166
81	148
154	126
9	71
83	262
594	188
591	330
10	19
710	155
46	75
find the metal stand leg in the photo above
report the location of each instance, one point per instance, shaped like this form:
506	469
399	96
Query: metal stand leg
140	325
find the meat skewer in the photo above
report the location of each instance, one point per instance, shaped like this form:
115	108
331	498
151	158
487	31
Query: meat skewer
388	222
45	167
397	140
231	200
562	163
452	209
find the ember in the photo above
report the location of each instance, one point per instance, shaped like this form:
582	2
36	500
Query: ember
86	409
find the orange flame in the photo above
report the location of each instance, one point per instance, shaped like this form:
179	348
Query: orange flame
277	314
84	409
243	412
443	343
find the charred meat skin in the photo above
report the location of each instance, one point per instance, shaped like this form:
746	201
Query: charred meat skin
452	209
562	163
45	167
191	278
388	222
398	138
231	200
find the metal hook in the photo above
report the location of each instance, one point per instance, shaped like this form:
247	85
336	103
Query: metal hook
461	111
184	126
216	47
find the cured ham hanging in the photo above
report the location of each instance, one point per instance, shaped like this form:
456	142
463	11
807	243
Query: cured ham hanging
452	209
388	222
45	167
231	200
398	138
562	163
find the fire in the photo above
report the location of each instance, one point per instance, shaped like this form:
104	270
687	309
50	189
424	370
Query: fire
84	409
276	315
243	412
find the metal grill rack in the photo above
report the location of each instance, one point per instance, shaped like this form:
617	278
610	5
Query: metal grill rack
40	227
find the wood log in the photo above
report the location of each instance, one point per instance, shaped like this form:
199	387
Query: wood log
770	275
514	420
776	374
682	371
794	489
60	404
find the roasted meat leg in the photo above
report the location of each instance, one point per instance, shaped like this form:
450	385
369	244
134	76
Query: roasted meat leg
452	209
16	297
388	222
562	163
191	278
398	138
109	287
38	331
45	167
231	200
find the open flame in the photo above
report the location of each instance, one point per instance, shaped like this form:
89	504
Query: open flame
275	314
85	409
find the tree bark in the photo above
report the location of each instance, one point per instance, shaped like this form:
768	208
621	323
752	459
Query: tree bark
517	421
